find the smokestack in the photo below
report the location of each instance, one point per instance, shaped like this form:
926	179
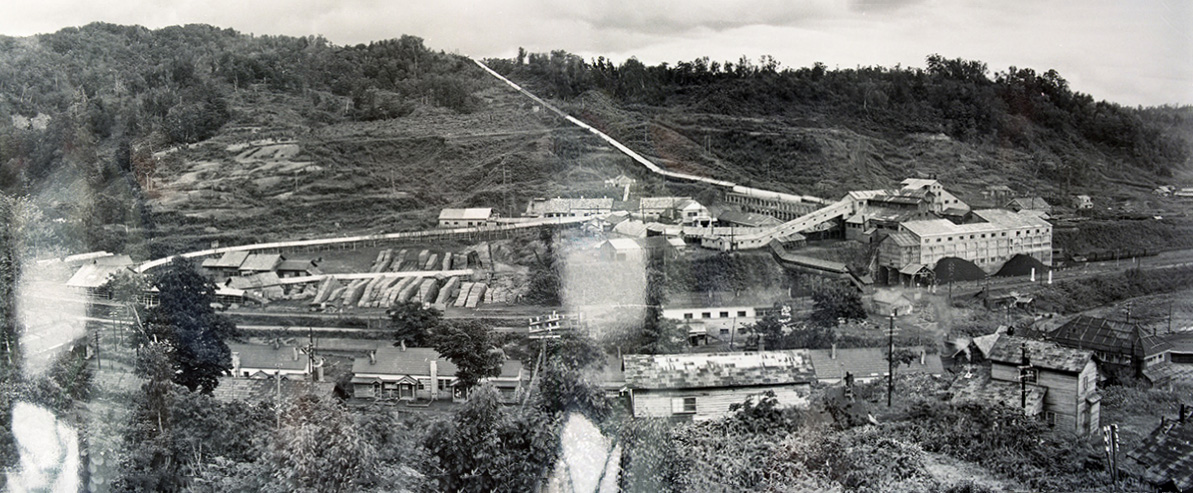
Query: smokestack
373	357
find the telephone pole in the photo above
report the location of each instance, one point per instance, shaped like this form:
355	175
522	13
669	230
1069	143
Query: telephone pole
890	362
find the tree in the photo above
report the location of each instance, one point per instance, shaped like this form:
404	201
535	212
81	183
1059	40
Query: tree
662	336
318	448
565	384
413	323
185	320
485	448
834	301
469	345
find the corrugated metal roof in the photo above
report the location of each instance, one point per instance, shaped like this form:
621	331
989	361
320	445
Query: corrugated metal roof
746	369
1099	334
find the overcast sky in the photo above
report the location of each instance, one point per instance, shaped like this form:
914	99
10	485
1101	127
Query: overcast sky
1132	52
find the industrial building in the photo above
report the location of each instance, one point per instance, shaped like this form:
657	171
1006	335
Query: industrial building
992	238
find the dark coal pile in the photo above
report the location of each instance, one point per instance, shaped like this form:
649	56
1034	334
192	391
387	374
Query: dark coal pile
953	269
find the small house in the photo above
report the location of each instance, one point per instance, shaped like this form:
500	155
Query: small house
257	263
298	268
1116	345
1069	378
269	361
704	386
463	218
227	264
410	374
622	250
1029	204
92	278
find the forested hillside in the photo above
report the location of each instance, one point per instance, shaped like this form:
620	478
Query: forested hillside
816	127
89	116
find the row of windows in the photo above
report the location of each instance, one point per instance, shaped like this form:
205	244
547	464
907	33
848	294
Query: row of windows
723	314
983	235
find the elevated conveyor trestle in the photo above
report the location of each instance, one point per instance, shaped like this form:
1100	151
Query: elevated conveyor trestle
803	223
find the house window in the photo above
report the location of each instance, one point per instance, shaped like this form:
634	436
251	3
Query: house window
420	385
1050	418
724	332
683	405
443	384
687	316
1091	381
706	315
741	313
724	314
1029	375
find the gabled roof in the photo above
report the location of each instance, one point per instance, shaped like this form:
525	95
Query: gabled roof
1167	372
623	244
1047	355
711	370
1167	456
255	281
867	363
266	357
94	275
903	239
229	260
299	265
474	213
748	219
630	228
1029	203
398	362
1098	334
262	262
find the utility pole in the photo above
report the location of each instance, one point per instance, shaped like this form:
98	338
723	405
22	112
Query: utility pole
1023	377
890	362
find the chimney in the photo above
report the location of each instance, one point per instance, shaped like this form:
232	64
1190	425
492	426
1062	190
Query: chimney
295	353
434	380
923	354
373	357
833	354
